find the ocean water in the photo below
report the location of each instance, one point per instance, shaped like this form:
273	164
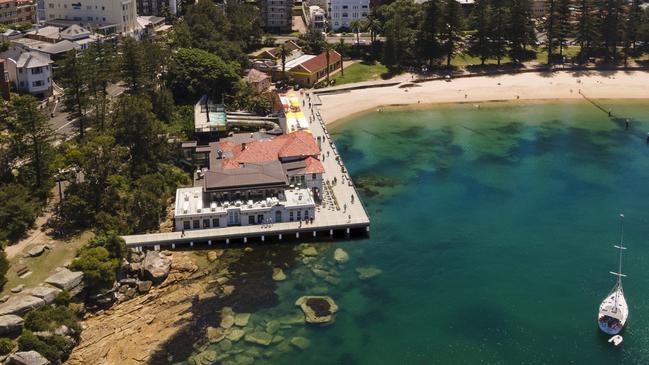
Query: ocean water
493	228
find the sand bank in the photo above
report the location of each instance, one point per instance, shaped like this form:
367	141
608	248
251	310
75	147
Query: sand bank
525	86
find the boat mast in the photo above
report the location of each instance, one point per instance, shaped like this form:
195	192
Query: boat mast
619	274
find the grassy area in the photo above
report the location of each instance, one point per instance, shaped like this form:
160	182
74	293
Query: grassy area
466	60
361	72
60	253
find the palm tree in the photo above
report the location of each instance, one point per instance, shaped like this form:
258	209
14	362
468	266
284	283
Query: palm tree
372	24
357	26
327	49
283	52
341	50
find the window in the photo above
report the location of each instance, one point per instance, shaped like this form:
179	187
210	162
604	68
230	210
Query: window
37	70
260	218
186	225
345	6
313	176
299	215
38	83
251	219
215	222
206	223
196	224
306	214
290	216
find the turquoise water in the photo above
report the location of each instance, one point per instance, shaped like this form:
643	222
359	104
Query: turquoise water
493	228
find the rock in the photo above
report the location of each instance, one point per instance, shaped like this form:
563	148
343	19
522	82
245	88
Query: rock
36	250
292	319
235	334
144	286
341	256
310	251
215	335
214	255
242	359
333	280
278	339
47	293
27	358
247	249
10	324
320	273
18	289
278	274
272	327
205	358
21	304
135	268
4	298
65	279
63	330
128	281
317	309
156	266
259	338
222	280
300	342
241	319
227	321
365	273
228	289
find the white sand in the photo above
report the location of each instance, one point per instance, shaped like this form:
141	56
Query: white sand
526	86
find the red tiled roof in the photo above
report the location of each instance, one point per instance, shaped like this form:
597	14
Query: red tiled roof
313	166
298	144
319	62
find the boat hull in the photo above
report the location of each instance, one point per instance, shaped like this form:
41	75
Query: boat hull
610	330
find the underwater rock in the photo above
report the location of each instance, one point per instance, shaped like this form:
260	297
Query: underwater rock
278	274
241	319
205	358
317	309
235	334
341	256
300	342
310	251
272	327
259	338
227	321
215	335
365	273
291	319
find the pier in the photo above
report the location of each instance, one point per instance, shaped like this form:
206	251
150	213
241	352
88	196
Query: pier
340	214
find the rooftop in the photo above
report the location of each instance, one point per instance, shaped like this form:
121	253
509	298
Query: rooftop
245	176
32	59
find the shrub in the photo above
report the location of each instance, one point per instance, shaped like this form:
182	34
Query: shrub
54	348
50	318
6	345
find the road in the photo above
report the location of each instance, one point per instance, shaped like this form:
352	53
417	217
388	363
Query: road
63	127
330	39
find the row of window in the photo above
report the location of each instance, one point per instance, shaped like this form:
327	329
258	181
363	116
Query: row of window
65	6
346	15
38	83
354	7
252	219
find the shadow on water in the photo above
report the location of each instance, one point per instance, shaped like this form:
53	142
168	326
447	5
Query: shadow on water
254	290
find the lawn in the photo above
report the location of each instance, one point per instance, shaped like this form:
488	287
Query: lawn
361	72
60	254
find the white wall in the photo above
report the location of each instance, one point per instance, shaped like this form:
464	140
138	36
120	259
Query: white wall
123	13
27	78
343	12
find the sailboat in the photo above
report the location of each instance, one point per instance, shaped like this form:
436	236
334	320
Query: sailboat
614	311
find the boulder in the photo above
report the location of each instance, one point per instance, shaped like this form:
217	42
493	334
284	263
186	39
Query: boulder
317	309
63	330
300	342
215	335
65	279
36	250
235	334
241	359
156	266
365	273
128	281
278	274
310	251
205	358
18	289
21	304
341	256
272	327
10	323
144	286
227	321
241	319
27	358
47	293
214	255
259	338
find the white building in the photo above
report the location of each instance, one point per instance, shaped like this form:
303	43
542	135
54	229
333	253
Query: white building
343	12
31	72
317	17
110	16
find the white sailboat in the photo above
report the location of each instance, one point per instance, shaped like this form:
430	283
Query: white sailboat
614	311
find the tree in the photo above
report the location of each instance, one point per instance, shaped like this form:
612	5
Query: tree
611	28
499	29
587	33
75	95
429	31
550	29
313	41
31	137
479	41
97	69
133	66
195	72
163	103
357	26
521	33
450	34
17	212
563	25
283	52
373	26
99	269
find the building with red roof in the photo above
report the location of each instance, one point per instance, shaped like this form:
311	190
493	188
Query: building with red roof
314	69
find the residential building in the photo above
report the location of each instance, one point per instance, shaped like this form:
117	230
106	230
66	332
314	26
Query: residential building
8	9
40	9
343	12
31	72
317	17
108	16
308	70
539	8
253	179
277	15
26	11
4	80
152	26
156	7
258	80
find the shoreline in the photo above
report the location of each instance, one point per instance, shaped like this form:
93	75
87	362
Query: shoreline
340	107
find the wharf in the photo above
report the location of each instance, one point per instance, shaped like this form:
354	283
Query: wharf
341	213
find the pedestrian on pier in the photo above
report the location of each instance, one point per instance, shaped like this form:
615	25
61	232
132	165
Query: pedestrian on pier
352	198
344	207
182	234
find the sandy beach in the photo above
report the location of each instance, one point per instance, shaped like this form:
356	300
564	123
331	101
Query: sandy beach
527	86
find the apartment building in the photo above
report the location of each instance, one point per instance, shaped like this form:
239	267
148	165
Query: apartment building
155	7
26	11
110	16
277	15
31	72
8	10
343	12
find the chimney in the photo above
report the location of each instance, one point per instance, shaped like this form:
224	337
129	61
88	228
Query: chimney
4	84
